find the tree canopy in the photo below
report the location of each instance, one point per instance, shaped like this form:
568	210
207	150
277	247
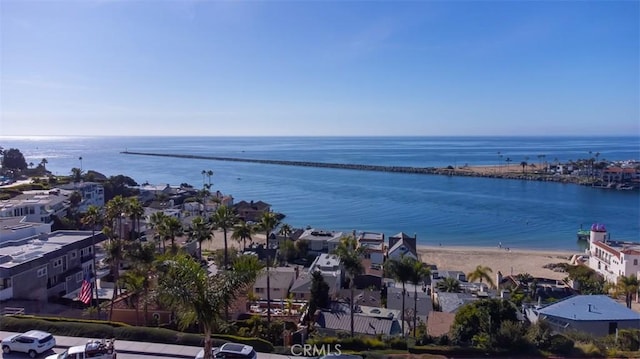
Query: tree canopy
13	159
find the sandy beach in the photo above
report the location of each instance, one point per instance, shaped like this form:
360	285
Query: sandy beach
510	261
464	259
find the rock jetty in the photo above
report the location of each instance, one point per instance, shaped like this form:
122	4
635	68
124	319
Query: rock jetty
449	171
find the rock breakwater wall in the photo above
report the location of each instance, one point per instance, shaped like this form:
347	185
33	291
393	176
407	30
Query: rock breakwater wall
449	171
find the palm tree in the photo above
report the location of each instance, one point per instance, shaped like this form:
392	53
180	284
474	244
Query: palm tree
204	173
92	218
267	223
116	210
155	222
76	173
241	232
170	228
401	269
200	231
350	255
508	160
224	218
44	163
450	285
142	257
419	272
481	273
115	255
209	175
134	280
524	166
627	286
135	210
285	230
199	297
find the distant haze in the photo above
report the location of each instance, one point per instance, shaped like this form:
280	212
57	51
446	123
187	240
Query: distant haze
284	68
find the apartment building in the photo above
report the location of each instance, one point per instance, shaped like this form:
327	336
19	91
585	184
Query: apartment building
36	206
16	228
47	265
92	194
612	258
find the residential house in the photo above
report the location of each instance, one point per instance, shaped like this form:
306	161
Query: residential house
374	246
440	323
372	276
92	194
36	206
280	281
16	228
597	315
251	211
424	303
401	245
321	241
369	321
329	266
47	265
612	258
450	302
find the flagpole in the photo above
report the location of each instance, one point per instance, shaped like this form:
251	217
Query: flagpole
95	273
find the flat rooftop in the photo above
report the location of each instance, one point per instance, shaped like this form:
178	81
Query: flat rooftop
13	253
321	235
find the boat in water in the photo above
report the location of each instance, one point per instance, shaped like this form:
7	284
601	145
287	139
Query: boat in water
583	234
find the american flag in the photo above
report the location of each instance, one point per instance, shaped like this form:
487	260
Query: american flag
86	290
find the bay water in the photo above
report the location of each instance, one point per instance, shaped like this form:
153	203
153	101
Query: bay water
443	210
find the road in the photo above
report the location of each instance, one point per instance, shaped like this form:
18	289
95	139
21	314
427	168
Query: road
60	350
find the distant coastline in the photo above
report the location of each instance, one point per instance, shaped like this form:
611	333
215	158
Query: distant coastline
500	172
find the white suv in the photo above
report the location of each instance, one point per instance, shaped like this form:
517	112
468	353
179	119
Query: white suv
33	342
231	351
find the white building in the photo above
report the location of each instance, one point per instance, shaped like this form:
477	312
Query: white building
16	228
612	258
36	206
374	247
321	241
92	194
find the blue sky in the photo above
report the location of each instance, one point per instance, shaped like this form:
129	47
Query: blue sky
319	68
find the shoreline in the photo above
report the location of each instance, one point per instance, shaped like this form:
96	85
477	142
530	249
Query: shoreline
507	261
463	258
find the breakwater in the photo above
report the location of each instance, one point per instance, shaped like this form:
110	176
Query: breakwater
448	171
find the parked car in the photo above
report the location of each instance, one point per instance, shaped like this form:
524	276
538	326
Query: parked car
95	349
33	342
231	351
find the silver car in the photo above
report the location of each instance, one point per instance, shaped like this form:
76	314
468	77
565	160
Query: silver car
231	351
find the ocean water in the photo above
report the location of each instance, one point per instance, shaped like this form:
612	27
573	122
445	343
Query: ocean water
439	209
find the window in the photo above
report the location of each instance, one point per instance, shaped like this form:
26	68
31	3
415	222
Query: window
57	263
42	272
73	254
78	277
635	262
259	290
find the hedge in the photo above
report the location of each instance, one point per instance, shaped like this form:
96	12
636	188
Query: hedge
102	329
72	320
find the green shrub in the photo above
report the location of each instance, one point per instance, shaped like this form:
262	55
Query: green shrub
71	320
628	340
589	349
560	344
397	343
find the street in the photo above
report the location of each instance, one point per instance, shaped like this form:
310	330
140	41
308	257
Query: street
60	350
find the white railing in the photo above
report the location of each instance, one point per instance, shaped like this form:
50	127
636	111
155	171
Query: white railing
12	311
